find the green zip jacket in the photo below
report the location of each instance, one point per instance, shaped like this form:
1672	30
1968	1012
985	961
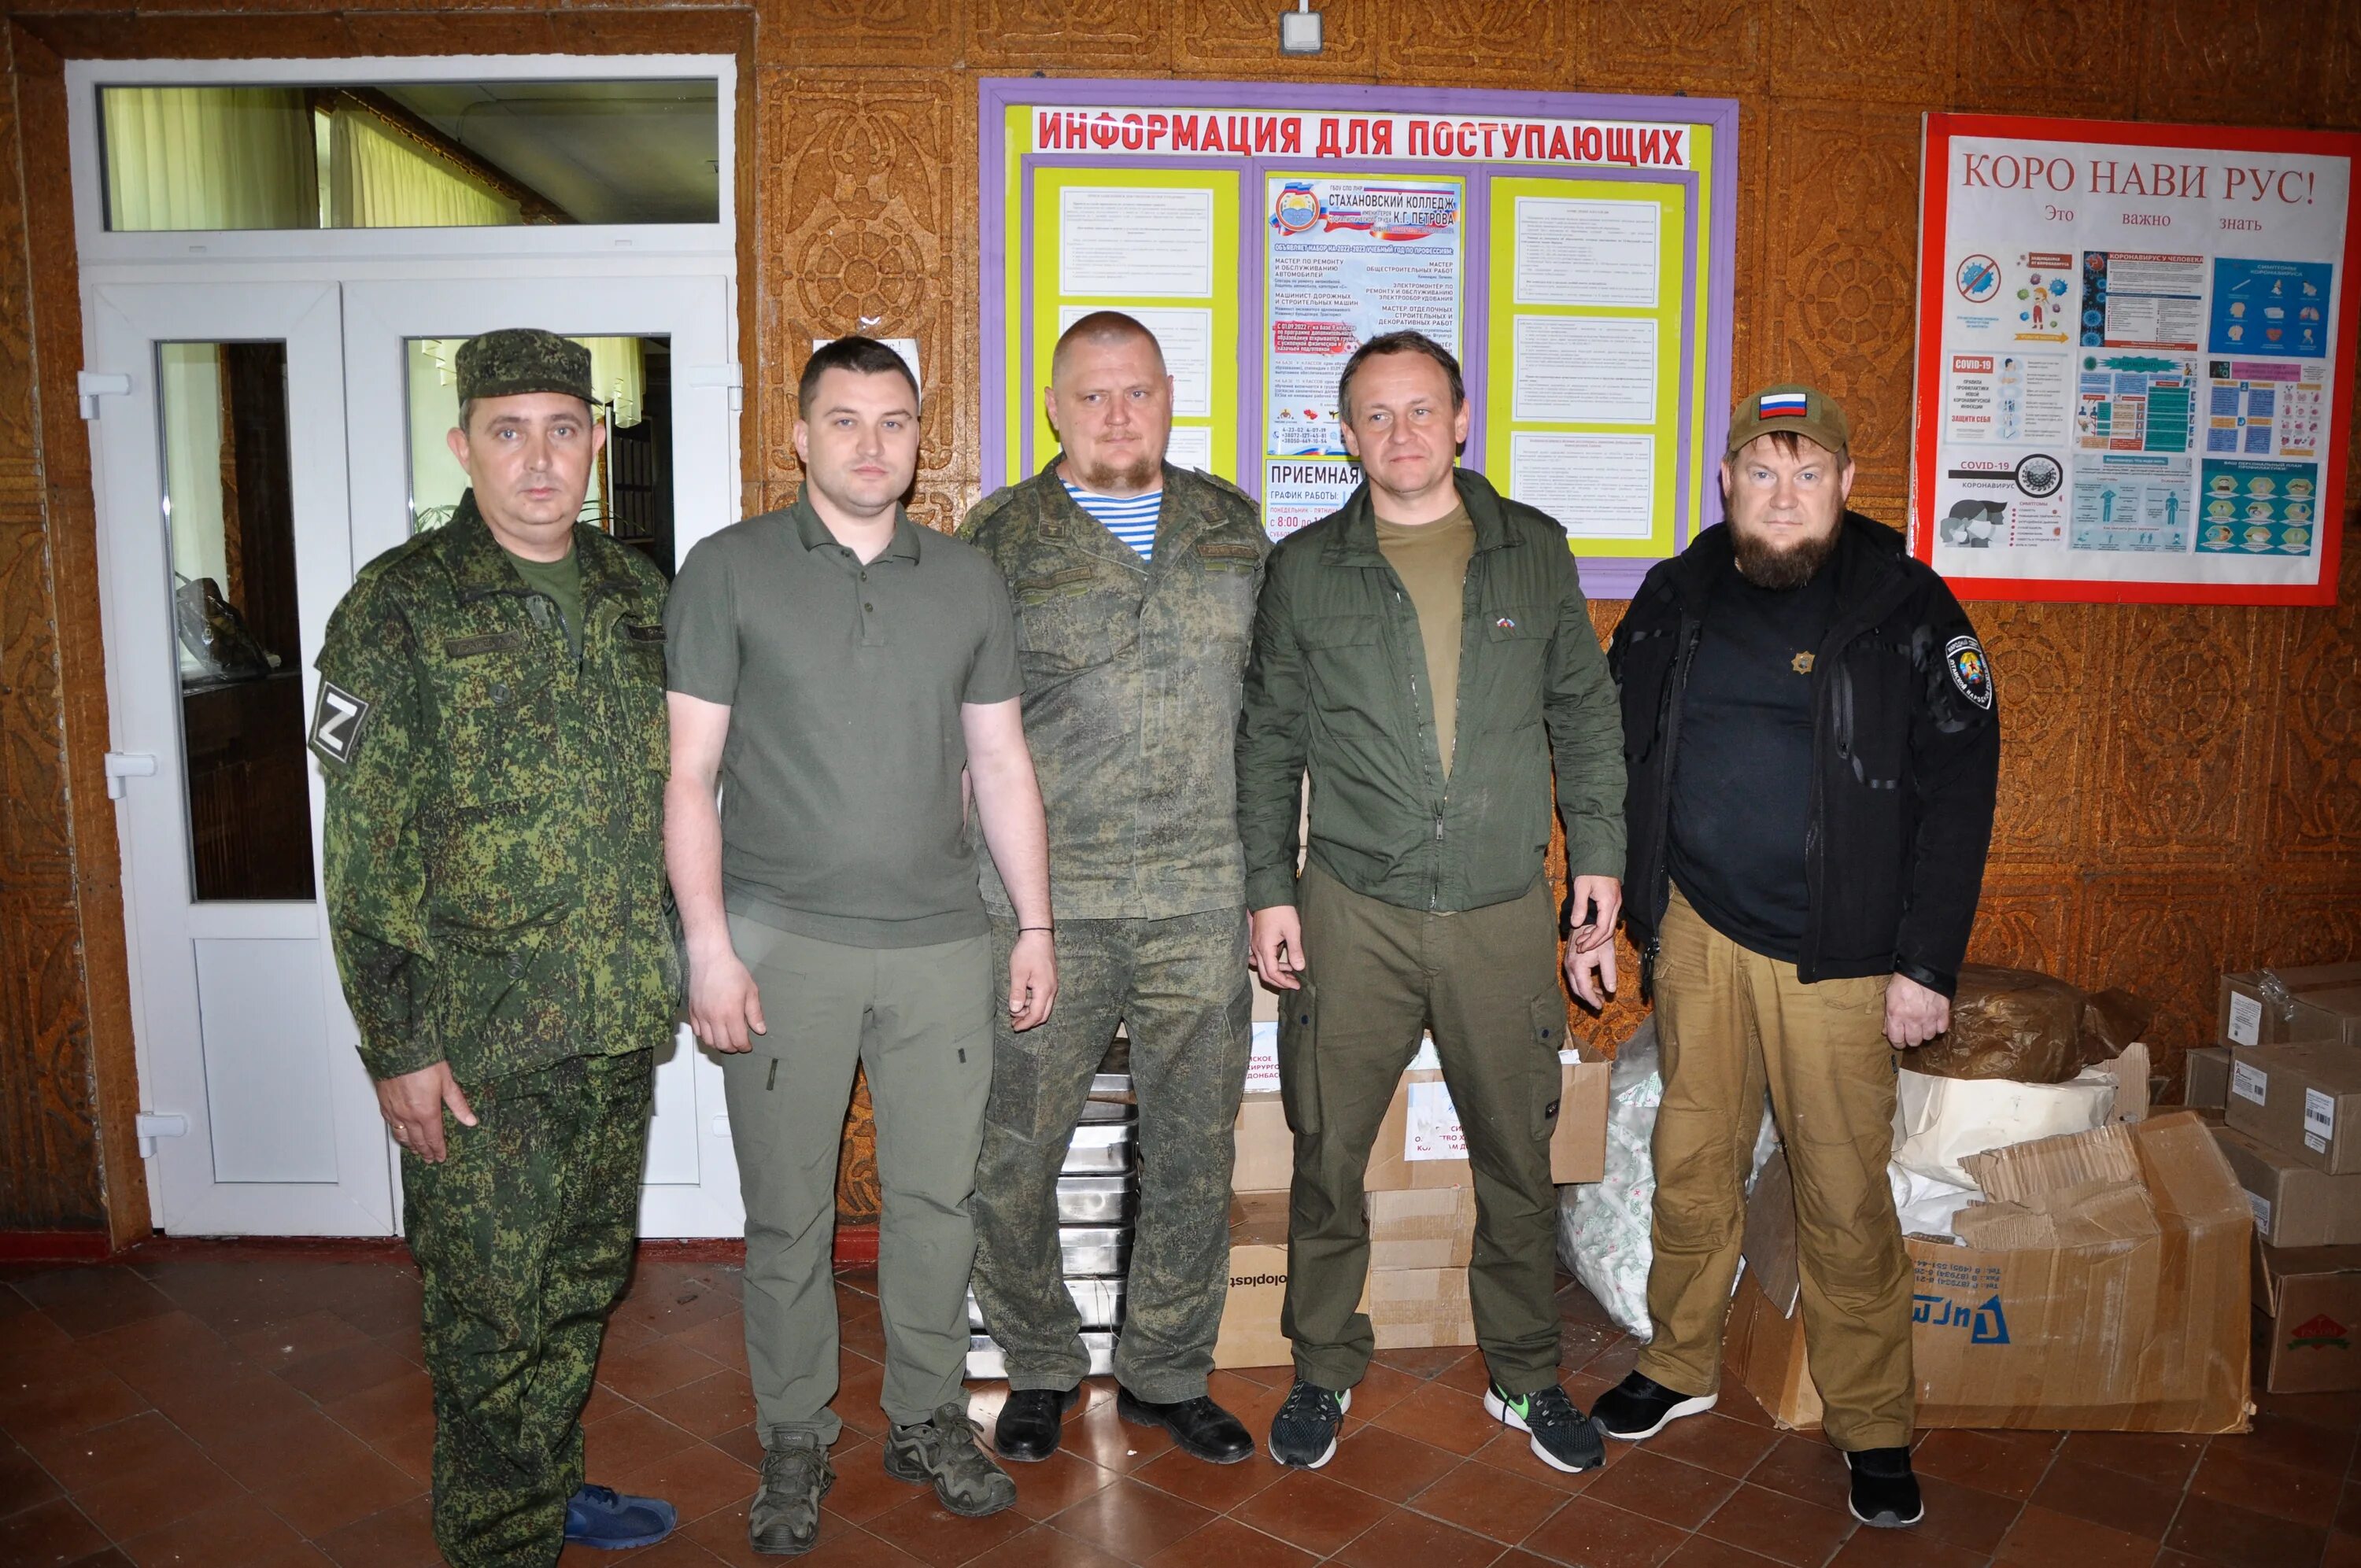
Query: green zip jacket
1336	687
1131	673
495	824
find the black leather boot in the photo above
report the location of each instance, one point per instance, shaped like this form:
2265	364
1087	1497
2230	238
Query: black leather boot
1028	1428
1202	1429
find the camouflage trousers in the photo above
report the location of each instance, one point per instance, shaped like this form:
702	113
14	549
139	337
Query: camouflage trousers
1181	988
524	1238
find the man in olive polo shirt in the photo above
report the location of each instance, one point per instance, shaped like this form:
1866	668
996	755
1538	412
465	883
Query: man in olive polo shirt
835	669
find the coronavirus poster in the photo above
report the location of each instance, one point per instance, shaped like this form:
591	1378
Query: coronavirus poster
2135	360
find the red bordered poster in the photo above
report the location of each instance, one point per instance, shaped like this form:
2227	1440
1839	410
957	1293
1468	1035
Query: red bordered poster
2135	360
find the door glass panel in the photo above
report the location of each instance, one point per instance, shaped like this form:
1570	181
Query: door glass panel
412	155
231	522
629	493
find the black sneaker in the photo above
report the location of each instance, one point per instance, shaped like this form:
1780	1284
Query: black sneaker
1563	1438
1303	1434
1641	1407
1884	1492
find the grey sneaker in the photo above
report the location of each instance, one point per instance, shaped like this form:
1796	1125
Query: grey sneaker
944	1451
784	1518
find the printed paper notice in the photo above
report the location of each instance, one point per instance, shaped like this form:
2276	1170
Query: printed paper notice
1585	370
1191	446
2127	354
1185	334
1433	1131
1597	487
1300	490
1262	1064
1349	259
1588	253
1134	242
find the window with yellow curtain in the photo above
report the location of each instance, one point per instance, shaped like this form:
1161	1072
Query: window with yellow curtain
379	179
210	157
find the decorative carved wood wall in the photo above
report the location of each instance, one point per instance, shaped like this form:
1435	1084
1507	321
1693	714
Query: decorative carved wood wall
2181	786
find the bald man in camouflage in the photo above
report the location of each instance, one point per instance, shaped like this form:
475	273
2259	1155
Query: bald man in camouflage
491	727
1135	583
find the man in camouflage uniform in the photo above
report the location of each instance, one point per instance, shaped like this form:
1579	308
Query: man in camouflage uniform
491	726
1135	584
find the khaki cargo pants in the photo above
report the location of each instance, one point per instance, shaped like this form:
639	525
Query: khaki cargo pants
1731	1024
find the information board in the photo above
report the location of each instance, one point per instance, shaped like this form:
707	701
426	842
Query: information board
2135	360
1575	252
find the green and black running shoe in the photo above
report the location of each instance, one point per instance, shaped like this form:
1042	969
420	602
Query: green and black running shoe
1563	1438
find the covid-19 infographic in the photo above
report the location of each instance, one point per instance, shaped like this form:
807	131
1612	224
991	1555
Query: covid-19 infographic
2135	360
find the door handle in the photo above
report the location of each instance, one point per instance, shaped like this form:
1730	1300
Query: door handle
121	765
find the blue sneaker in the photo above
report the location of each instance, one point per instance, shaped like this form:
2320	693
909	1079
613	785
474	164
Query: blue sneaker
606	1520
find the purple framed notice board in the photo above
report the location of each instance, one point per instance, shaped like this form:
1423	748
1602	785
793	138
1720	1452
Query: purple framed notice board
1574	250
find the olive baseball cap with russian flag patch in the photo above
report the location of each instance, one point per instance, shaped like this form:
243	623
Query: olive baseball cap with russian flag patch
1808	411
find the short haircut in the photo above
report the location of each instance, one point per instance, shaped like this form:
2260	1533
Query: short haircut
1790	443
1102	327
862	357
1401	343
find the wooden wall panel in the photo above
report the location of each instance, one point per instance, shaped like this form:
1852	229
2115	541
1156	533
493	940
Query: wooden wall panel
2181	789
1837	274
49	1159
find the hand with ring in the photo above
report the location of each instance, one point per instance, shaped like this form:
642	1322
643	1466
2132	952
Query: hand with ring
414	1104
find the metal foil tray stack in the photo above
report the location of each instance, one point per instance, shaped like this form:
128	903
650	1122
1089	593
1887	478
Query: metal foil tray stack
1100	1302
985	1362
1105	1140
1098	1203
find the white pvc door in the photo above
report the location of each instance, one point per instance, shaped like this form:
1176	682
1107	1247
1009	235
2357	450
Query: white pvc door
218	438
398	337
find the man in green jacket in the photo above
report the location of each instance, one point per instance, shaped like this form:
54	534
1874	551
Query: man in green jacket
1424	655
1135	583
492	728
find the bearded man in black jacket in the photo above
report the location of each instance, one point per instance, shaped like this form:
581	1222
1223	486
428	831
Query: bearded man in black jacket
1811	736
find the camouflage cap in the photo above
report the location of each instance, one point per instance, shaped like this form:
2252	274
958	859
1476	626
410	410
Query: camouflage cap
519	360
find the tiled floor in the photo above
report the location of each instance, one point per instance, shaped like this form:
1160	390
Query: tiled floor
195	1407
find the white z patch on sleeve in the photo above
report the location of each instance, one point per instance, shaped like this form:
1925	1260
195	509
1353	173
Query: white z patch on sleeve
337	726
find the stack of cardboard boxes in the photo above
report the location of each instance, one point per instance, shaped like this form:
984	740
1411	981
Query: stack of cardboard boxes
2287	1077
1422	1203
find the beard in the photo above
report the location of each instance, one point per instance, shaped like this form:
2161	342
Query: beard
1767	566
1112	478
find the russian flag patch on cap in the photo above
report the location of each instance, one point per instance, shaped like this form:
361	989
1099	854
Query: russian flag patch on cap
1783	405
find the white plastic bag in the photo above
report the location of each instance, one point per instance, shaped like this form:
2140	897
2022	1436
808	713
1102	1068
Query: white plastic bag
1940	1121
1925	1206
1605	1234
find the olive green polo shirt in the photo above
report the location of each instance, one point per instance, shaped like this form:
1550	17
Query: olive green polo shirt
842	816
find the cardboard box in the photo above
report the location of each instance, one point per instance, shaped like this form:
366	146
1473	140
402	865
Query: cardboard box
1250	1335
1411	1309
2270	1007
2104	1287
1264	1161
2304	1099
2294	1205
1429	1228
1250	1312
2205	1078
1419	1144
2312	1296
